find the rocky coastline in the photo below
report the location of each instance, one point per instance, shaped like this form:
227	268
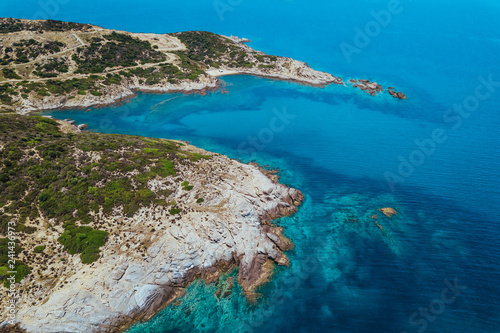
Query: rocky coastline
115	94
150	258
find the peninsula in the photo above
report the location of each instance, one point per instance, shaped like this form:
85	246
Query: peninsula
53	65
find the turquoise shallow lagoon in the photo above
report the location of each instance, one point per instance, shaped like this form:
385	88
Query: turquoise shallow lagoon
337	145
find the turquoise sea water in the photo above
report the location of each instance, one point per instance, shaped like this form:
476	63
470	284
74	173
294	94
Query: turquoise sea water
338	146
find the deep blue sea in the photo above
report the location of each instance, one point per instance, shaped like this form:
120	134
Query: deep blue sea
435	157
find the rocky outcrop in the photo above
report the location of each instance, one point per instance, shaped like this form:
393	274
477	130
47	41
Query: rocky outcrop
371	88
395	94
82	127
290	70
150	258
237	39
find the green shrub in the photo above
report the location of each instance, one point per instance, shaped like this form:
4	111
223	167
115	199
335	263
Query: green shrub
43	92
21	268
194	157
166	168
39	249
89	255
10	73
44	196
174	211
185	186
47	128
84	240
153	151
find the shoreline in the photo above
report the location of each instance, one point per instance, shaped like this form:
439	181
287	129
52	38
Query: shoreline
116	95
125	99
131	91
275	77
116	101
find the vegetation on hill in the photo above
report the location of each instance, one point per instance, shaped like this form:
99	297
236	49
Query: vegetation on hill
28	50
213	50
6	93
205	47
10	73
153	75
46	174
116	50
51	68
8	25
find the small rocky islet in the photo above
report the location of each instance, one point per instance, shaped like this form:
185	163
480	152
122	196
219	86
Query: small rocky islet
373	88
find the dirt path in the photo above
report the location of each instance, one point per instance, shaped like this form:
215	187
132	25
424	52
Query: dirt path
78	38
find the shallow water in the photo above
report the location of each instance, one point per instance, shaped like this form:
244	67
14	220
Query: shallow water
347	273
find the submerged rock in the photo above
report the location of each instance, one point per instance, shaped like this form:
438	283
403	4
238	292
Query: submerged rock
388	211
